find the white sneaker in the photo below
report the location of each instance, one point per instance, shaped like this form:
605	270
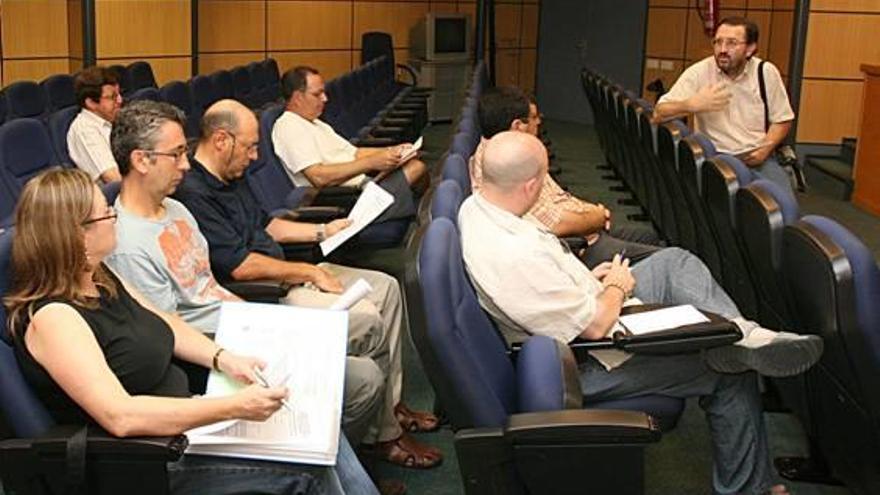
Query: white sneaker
774	354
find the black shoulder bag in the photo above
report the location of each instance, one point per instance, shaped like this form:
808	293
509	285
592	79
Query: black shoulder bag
785	154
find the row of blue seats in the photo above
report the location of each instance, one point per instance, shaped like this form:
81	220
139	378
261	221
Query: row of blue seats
29	145
29	99
787	271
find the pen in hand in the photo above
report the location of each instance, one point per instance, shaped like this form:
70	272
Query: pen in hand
261	379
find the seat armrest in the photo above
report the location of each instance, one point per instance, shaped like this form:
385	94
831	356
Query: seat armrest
376	142
54	442
582	426
258	290
312	214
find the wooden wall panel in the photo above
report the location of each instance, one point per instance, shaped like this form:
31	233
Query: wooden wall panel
165	69
528	59
828	111
781	27
529	33
666	33
760	4
210	62
396	18
309	25
143	28
784	4
838	43
329	63
232	25
507	65
668	3
845	5
763	20
33	70
34	28
443	7
699	46
508	19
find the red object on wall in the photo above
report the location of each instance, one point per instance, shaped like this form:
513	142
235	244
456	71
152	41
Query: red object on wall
708	10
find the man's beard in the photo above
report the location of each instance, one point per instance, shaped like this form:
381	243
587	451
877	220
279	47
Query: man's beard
730	70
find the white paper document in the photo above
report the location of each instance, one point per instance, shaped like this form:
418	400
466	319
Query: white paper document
305	351
412	151
352	295
662	319
370	204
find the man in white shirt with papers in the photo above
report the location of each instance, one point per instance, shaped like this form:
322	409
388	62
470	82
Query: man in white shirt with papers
314	155
88	139
539	287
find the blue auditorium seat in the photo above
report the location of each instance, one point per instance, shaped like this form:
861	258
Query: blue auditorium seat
25	99
147	93
693	150
242	86
203	95
139	75
464	144
224	86
178	94
59	124
25	151
59	91
40	466
484	393
834	284
722	178
446	201
763	210
456	168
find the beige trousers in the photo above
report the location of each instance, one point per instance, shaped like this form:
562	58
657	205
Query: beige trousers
375	326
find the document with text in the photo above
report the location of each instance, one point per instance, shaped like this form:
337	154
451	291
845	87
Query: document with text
662	319
370	204
305	351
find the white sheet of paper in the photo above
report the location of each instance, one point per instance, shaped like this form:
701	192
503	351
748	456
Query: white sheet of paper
305	349
662	319
412	151
370	204
352	295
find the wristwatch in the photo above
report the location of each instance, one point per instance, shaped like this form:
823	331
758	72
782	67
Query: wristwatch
320	232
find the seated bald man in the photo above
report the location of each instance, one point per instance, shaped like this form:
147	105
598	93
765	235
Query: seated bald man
244	244
539	287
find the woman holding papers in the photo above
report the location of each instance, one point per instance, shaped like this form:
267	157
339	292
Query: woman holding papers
95	351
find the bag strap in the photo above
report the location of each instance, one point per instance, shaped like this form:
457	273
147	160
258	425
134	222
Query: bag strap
763	88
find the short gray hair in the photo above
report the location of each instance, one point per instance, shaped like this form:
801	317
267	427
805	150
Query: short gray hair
136	128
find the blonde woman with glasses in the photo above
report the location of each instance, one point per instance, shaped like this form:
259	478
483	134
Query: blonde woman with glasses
94	351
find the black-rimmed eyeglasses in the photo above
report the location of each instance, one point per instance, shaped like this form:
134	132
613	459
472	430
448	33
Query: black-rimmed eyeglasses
111	215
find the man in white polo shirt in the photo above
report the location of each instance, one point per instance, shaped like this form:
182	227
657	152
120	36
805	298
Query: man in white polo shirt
723	93
313	153
88	140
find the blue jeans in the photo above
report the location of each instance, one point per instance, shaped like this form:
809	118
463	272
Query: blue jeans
731	402
773	171
208	475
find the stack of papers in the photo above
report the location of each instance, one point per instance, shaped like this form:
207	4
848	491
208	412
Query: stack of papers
305	350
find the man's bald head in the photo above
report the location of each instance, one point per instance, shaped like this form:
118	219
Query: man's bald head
512	158
227	115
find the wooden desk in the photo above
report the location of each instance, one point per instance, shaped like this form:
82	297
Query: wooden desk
866	194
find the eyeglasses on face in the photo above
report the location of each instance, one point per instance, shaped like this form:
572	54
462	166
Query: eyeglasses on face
110	215
248	147
177	154
727	42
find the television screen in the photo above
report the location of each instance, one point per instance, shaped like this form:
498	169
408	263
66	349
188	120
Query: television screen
450	35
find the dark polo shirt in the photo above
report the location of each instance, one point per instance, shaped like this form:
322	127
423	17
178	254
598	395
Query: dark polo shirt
229	217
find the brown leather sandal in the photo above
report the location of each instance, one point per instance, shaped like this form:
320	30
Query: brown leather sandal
415	421
405	451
